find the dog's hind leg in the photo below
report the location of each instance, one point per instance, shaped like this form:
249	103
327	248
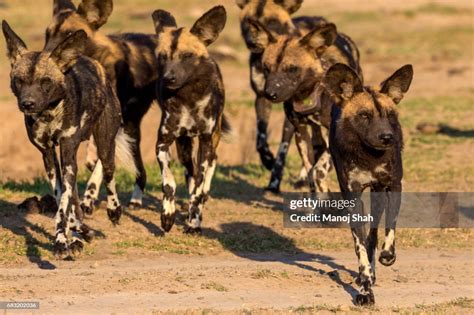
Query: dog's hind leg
303	143
92	190
105	140
323	161
277	171
91	156
132	129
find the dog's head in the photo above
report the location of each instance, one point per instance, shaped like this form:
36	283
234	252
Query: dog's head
369	115
181	52
273	14
89	16
37	78
291	63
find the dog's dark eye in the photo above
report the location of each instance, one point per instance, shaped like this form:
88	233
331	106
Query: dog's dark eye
392	115
17	83
365	115
292	69
46	84
187	55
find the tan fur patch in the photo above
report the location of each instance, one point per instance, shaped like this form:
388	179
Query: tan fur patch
364	102
270	11
294	55
187	43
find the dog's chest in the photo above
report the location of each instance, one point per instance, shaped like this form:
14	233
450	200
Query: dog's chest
359	178
191	120
50	127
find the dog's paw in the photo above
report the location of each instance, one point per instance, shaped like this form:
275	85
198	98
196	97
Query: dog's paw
86	233
192	230
387	258
134	205
273	190
167	221
365	299
87	209
114	214
76	247
60	250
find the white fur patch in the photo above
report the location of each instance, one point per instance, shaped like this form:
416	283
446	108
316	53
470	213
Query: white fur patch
137	195
84	118
71	131
381	168
389	239
258	78
362	177
96	178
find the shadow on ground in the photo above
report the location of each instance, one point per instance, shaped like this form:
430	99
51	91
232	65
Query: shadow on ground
456	132
14	219
261	243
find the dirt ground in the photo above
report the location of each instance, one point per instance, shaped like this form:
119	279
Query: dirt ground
225	282
246	261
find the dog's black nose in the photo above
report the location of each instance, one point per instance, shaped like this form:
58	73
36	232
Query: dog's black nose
272	95
386	138
27	105
170	77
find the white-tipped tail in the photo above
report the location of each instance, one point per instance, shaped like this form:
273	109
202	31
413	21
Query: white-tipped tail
123	151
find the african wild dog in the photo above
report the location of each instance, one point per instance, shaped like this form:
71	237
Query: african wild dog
366	144
65	98
129	63
274	15
293	66
191	96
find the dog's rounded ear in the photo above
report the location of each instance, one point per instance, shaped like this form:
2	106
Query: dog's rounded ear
290	5
96	12
320	38
241	3
208	27
342	82
67	52
258	37
15	45
63	5
398	83
163	19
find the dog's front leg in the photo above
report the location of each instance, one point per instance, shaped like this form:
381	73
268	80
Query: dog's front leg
277	171
263	109
168	182
51	165
206	163
387	254
66	217
360	235
378	203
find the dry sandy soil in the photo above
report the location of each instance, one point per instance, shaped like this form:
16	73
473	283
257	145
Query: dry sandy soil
246	261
